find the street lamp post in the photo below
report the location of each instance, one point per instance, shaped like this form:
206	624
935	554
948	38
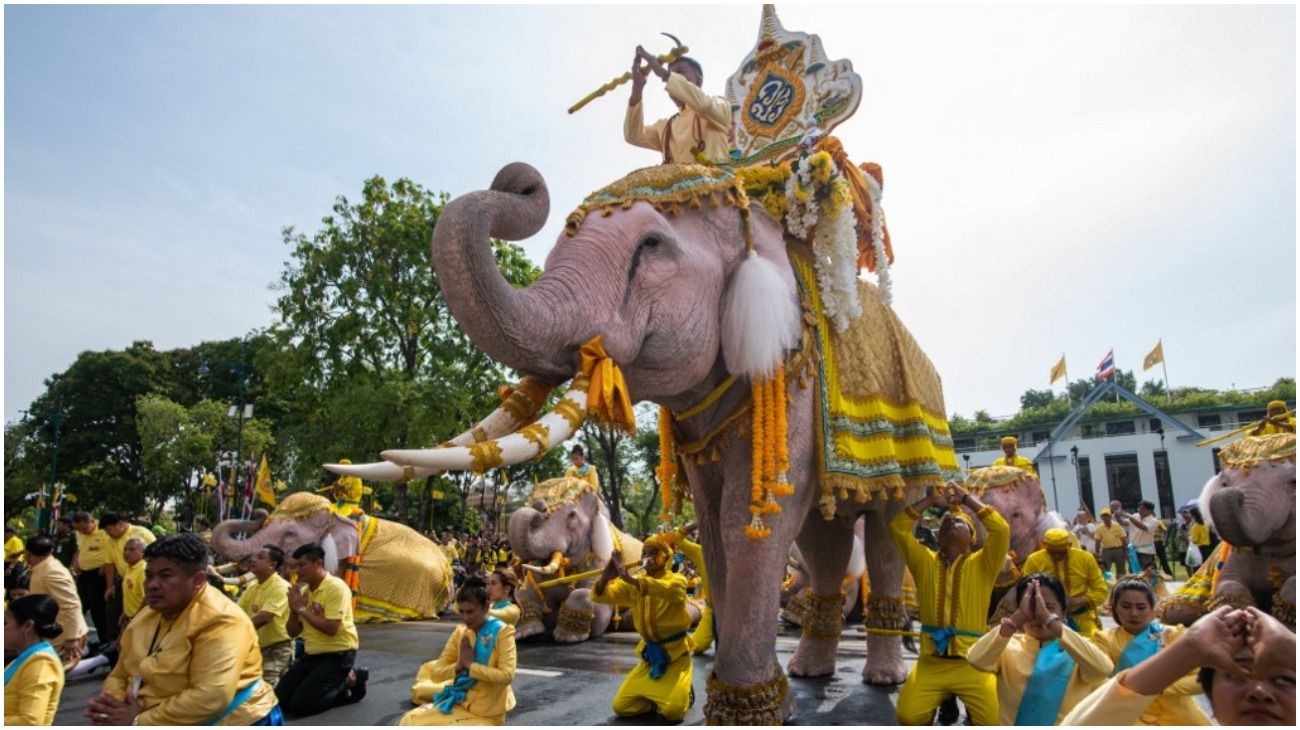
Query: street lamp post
1078	476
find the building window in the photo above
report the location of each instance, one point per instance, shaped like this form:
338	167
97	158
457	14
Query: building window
1154	425
1041	436
1120	428
965	444
1123	481
1085	484
1250	416
1209	420
1164	485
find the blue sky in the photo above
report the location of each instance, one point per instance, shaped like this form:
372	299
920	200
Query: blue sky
1057	179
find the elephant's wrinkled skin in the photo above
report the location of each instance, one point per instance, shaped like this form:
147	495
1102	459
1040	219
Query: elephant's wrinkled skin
399	566
653	287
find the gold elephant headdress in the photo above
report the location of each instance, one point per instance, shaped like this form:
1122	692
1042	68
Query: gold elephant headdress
980	480
1251	451
299	505
555	493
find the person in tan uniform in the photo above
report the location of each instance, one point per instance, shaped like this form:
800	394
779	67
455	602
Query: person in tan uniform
700	130
51	578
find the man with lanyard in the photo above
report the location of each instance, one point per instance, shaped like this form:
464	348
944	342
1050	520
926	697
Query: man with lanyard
953	588
661	680
188	658
1011	458
698	132
1142	531
267	604
1043	667
1079	573
320	607
51	578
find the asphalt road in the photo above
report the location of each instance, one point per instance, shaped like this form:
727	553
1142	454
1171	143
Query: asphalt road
560	684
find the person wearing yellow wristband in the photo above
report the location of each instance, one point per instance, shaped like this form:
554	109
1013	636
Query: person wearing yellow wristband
953	588
661	680
267	604
34	679
1085	588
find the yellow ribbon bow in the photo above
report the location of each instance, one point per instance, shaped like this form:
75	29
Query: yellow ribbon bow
607	399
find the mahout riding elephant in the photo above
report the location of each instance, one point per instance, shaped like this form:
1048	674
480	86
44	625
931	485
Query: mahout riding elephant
402	575
652	280
1251	505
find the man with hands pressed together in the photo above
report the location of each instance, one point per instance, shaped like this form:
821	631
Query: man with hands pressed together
698	132
267	604
1079	573
1043	667
953	587
320	609
662	679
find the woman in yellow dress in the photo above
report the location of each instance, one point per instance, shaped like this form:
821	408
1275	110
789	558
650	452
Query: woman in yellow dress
469	683
1137	638
34	679
501	596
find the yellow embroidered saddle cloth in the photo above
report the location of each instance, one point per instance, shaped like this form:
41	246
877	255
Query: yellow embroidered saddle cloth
881	424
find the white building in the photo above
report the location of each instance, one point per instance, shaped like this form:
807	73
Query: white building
1092	462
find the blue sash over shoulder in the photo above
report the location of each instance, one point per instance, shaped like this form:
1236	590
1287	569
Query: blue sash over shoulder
1141	648
456	692
1041	702
28	653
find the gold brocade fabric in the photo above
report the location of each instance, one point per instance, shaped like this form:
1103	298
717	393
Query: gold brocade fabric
403	575
881	424
666	187
555	493
1251	450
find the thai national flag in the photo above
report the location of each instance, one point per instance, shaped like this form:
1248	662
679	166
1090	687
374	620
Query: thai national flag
1106	367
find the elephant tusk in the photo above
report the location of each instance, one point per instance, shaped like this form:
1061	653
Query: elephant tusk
525	445
379	471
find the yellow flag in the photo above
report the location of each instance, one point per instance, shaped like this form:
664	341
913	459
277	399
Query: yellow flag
263	487
1155	357
1058	371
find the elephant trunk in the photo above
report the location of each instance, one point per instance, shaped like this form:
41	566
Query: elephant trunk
1241	521
235	549
521	328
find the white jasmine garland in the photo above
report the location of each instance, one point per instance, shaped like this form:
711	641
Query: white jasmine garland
878	241
836	246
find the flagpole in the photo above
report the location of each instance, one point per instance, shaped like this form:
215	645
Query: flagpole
1169	392
1066	370
1114	372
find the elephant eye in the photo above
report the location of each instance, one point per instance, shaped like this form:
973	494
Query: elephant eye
651	240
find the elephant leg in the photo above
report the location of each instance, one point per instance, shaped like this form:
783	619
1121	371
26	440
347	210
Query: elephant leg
530	614
1284	603
579	618
826	547
885	614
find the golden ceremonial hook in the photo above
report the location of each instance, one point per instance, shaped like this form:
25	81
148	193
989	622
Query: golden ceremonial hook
668	57
632	565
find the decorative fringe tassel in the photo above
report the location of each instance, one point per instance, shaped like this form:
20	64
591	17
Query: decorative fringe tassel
667	471
770	452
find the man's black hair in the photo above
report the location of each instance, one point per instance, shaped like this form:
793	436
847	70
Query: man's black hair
65	520
276	554
1149	504
577	450
311	551
186	550
109	519
1131	583
41	545
1045	580
11	528
692	63
82	517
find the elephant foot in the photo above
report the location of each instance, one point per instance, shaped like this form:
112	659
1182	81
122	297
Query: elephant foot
766	703
884	660
813	658
532	628
573	625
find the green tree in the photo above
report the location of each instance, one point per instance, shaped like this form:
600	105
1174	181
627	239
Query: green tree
369	356
1036	398
1152	388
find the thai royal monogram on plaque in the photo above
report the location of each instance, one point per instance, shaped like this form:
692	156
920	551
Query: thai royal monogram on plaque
786	88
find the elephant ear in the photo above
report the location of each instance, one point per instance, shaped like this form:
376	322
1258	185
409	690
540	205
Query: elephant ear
760	317
602	540
1212	486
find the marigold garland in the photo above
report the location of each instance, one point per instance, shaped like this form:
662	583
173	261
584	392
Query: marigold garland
667	471
782	485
